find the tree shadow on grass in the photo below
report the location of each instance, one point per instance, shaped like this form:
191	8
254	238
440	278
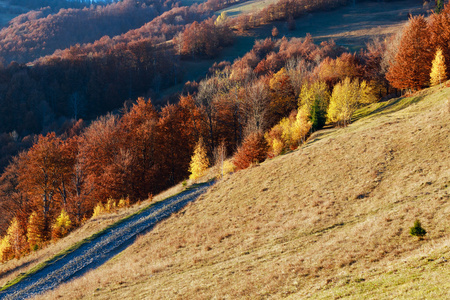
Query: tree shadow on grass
367	112
386	107
22	266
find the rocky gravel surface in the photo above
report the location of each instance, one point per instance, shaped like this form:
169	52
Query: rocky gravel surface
103	247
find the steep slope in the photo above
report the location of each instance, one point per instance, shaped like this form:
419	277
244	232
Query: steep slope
330	220
97	249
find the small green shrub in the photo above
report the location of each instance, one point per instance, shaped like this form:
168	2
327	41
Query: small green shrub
417	230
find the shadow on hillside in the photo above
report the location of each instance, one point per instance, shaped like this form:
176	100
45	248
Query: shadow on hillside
387	107
22	266
319	135
377	109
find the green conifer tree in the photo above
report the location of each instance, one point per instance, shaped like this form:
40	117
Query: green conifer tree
417	230
439	6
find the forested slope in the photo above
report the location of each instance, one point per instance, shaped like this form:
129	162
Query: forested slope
261	105
331	219
41	32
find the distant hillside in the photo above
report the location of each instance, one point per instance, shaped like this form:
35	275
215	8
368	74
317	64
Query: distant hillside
10	9
40	32
329	220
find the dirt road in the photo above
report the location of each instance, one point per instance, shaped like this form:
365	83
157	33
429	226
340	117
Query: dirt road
100	249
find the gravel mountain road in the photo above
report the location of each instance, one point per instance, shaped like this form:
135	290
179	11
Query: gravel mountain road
103	247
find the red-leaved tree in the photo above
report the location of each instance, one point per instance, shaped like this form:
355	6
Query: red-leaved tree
253	150
412	65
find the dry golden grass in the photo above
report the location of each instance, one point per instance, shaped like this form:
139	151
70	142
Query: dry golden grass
11	269
330	220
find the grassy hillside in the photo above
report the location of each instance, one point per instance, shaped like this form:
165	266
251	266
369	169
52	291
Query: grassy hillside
246	7
350	26
10	270
330	220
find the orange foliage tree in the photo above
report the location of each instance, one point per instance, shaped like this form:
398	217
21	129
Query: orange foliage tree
253	150
204	38
14	202
178	132
283	99
100	149
411	68
334	70
79	205
439	31
42	176
137	161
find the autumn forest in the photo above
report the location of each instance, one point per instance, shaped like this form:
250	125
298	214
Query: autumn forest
84	123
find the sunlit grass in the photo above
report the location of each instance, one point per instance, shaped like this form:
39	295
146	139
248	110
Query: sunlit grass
246	7
328	220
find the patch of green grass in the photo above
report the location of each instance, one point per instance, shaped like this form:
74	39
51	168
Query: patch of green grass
246	7
394	105
385	107
422	276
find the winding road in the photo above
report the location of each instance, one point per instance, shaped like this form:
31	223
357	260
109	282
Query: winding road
97	251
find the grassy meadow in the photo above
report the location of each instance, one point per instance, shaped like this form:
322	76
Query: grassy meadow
350	26
329	220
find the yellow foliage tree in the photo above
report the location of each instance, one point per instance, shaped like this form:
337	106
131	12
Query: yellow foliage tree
5	249
199	161
289	133
14	243
276	146
61	226
347	96
312	92
34	231
300	128
314	100
221	19
111	205
98	210
124	202
438	73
